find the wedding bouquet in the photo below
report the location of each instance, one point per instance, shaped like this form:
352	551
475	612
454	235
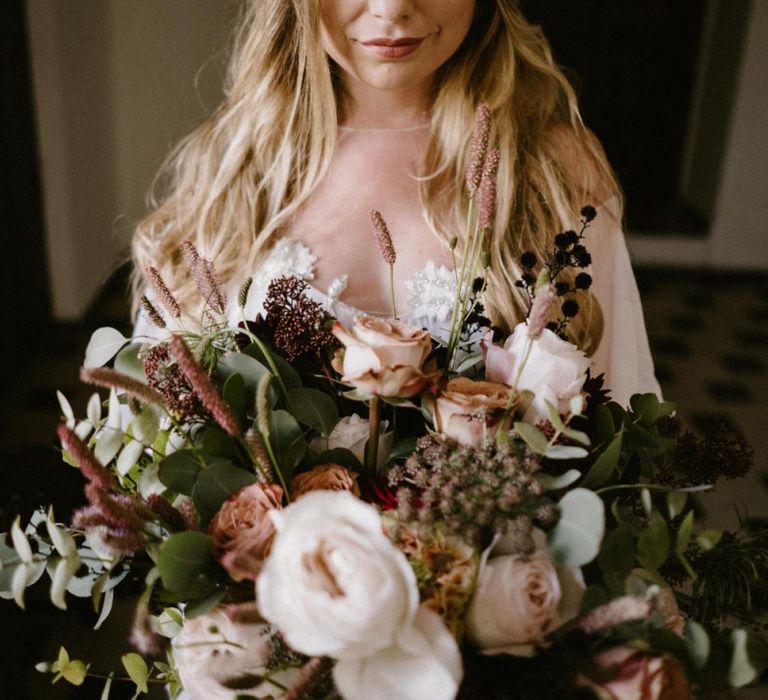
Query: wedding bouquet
365	511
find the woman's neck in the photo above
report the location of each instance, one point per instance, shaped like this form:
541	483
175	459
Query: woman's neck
365	107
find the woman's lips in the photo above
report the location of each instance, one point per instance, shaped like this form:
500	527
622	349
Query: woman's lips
393	48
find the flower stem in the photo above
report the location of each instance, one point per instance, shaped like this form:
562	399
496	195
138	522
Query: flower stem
372	446
392	289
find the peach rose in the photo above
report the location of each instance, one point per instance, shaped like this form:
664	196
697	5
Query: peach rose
465	409
640	676
325	477
242	530
383	357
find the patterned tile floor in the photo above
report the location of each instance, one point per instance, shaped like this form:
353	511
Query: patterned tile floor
709	336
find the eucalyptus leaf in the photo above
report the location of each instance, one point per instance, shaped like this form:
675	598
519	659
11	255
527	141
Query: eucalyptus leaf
555	483
235	394
653	543
749	658
179	471
645	499
314	409
129	456
287	440
104	344
137	670
565	452
604	424
684	533
201	607
146	425
617	558
403	448
182	558
287	373
342	456
646	406
106	608
709	538
533	437
676	501
93	410
108	444
66	409
603	467
128	362
697	641
576	538
217	483
250	369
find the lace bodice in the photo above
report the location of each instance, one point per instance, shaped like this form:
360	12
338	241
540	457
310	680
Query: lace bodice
623	354
430	292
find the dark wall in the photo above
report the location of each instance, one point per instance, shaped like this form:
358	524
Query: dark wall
633	65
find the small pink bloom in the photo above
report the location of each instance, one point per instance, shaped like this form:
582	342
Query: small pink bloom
243	531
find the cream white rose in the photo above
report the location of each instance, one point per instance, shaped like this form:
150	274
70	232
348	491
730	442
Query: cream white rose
465	410
520	599
383	357
216	650
425	665
554	371
351	433
334	584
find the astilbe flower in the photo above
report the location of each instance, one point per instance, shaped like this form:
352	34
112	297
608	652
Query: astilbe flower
487	192
297	324
203	386
204	275
152	312
473	492
164	376
111	379
163	294
478	147
539	313
119	519
383	237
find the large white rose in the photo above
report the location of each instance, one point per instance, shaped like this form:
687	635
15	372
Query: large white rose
520	599
554	371
351	433
426	665
334	584
216	650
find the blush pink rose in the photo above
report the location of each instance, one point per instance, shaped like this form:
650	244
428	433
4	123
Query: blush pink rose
465	409
243	531
383	357
553	369
325	477
640	676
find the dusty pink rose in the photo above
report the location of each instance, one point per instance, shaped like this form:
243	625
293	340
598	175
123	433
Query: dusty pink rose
640	676
464	410
383	357
519	600
243	531
325	477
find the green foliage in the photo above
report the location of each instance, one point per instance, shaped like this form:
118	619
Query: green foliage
287	440
137	670
605	465
575	540
216	483
314	409
183	558
179	471
103	346
533	437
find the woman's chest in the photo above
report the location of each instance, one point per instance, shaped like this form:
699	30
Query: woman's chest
368	173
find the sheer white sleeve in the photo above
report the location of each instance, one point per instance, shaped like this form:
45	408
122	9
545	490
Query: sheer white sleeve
623	353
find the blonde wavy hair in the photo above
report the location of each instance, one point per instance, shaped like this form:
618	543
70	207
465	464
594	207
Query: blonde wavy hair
233	184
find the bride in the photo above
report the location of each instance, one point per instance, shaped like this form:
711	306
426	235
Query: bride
338	107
